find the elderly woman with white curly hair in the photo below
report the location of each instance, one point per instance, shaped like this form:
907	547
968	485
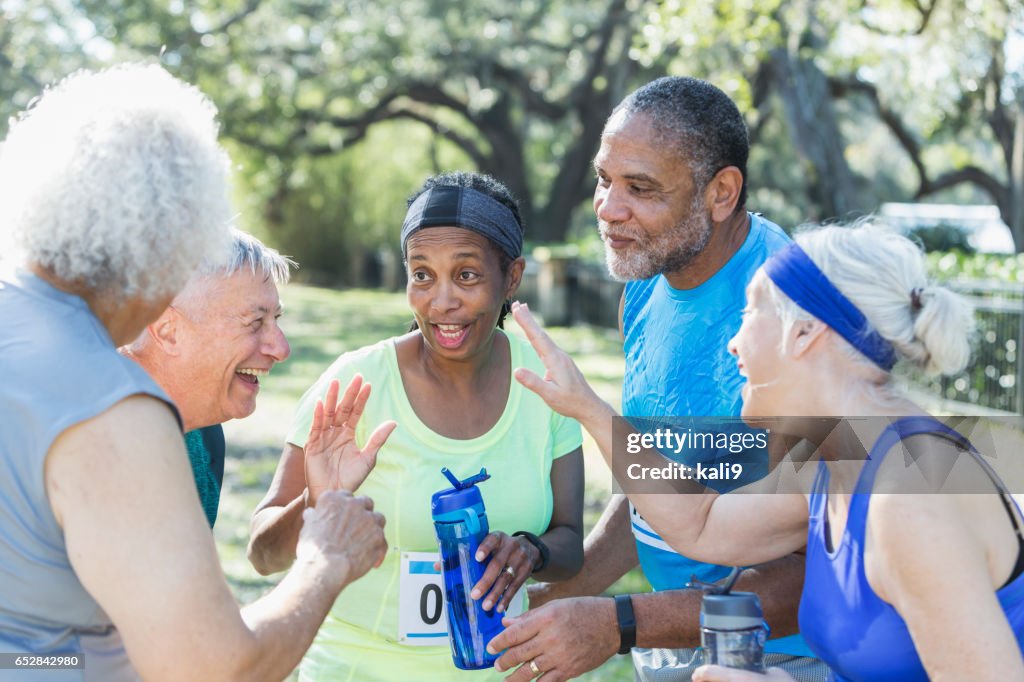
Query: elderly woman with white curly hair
114	189
898	586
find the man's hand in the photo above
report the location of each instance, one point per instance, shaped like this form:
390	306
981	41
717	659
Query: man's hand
563	639
716	673
346	532
333	459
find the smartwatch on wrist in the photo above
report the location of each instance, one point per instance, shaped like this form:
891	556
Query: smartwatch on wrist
627	622
545	554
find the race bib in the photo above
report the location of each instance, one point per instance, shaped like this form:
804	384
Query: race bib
421	619
421	608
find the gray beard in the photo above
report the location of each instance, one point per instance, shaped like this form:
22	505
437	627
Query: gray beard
667	252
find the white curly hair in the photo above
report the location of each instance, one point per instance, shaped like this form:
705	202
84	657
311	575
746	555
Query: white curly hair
114	180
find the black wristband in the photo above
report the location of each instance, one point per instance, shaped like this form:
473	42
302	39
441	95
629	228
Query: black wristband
545	553
627	622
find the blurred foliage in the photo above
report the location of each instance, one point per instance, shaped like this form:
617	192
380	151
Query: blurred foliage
522	90
336	112
337	211
958	265
942	237
863	101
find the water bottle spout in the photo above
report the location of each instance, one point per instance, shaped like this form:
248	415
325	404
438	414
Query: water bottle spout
472	480
456	483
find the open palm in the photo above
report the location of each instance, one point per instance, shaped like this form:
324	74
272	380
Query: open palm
334	461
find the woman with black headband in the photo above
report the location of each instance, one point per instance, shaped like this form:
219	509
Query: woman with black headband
448	384
898	586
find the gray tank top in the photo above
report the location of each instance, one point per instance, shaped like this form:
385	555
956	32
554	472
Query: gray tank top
58	367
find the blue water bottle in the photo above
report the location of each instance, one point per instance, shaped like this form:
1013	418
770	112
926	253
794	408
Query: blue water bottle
461	524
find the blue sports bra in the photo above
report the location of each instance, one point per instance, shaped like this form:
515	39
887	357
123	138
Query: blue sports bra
843	621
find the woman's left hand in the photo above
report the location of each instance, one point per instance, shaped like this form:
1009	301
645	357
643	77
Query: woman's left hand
333	459
512	562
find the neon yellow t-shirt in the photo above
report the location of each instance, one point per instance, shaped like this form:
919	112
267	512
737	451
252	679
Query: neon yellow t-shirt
359	639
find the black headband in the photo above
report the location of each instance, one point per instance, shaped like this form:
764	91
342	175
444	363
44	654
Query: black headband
469	209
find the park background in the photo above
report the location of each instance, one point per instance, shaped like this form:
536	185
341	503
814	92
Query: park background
335	111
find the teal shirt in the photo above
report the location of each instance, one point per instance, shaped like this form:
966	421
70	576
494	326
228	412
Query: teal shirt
207	484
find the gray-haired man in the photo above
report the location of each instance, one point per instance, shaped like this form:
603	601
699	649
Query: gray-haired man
670	201
210	347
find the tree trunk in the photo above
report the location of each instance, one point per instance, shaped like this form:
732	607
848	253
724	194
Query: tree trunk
572	185
814	130
592	105
506	160
1014	213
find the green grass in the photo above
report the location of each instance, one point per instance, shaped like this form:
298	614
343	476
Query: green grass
323	323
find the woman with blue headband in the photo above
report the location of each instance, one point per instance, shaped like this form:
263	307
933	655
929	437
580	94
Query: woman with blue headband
898	586
448	383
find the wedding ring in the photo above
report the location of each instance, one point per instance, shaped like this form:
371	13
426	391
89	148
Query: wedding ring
534	668
511	571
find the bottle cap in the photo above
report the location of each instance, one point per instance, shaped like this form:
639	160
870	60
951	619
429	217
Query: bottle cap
462	495
732	611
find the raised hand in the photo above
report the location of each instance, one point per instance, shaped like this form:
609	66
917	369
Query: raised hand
563	387
334	461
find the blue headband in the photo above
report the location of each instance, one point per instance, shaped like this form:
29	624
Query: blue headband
469	209
798	277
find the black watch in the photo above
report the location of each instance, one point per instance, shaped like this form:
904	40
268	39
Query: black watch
627	622
545	553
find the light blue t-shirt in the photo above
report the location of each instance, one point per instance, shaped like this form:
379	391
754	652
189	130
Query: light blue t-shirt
678	365
59	368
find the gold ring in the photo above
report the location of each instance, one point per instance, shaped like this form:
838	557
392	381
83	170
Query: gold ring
511	571
535	669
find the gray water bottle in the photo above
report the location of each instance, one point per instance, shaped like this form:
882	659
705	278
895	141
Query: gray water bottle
733	631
